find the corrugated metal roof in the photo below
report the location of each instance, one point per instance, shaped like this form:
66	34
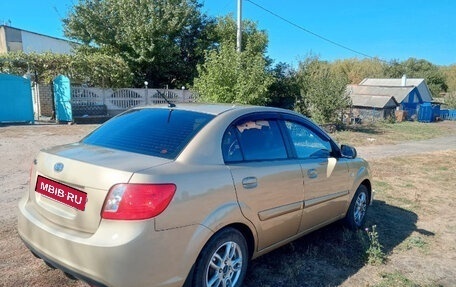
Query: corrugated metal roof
391	82
373	101
399	93
420	84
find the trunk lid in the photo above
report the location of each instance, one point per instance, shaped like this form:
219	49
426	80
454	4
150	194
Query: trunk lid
63	177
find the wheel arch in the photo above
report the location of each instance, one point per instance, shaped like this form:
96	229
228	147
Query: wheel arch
367	183
243	229
231	216
362	176
248	236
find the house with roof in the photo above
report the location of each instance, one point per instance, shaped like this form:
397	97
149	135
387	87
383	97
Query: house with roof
14	39
378	99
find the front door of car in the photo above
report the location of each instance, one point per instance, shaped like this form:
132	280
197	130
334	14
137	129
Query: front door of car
326	176
268	184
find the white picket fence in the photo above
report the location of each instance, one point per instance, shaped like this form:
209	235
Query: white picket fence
119	100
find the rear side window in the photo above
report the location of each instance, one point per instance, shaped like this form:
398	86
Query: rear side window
253	140
156	132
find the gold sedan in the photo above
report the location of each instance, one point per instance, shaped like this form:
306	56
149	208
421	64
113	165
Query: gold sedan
187	195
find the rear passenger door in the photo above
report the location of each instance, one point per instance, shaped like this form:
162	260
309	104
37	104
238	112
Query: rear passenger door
268	183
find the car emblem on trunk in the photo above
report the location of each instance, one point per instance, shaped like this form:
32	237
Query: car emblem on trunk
58	167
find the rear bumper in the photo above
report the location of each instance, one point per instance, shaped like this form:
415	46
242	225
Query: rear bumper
119	254
54	264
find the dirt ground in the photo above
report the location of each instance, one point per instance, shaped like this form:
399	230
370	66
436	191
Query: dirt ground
19	144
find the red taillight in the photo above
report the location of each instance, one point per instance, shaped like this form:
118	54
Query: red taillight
130	201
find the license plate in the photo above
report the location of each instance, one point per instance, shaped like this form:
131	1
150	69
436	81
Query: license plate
60	192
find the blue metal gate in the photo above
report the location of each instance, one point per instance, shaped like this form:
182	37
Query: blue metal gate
16	104
62	99
448	115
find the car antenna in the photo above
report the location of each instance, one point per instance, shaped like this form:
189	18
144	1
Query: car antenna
170	105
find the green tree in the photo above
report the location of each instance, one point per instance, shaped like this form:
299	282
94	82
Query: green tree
450	100
450	77
40	67
15	63
160	40
231	77
93	68
100	70
285	88
323	92
356	70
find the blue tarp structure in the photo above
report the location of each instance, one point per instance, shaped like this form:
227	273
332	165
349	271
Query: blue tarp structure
16	104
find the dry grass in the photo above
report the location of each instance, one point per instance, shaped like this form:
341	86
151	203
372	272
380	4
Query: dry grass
414	212
386	133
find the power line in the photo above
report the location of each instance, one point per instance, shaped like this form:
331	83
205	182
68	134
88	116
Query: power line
313	33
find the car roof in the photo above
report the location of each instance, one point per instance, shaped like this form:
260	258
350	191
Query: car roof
215	109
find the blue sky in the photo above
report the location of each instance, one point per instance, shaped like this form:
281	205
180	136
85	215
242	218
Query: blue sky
387	29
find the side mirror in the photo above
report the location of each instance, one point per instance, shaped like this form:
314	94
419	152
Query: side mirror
348	151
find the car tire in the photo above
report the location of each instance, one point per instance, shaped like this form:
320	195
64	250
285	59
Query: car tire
356	214
223	260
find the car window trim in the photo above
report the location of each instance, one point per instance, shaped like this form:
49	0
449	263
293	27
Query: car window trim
280	118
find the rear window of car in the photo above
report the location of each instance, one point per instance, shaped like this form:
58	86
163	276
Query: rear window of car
156	132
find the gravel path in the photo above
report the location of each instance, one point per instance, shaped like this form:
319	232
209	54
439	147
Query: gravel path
408	148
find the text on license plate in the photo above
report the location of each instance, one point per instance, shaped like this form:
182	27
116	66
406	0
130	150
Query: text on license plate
61	192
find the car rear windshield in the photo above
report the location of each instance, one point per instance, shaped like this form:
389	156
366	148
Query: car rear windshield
153	131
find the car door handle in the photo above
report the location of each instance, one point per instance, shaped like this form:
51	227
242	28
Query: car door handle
312	173
249	182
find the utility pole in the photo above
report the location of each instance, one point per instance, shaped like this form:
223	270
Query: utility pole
239	26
